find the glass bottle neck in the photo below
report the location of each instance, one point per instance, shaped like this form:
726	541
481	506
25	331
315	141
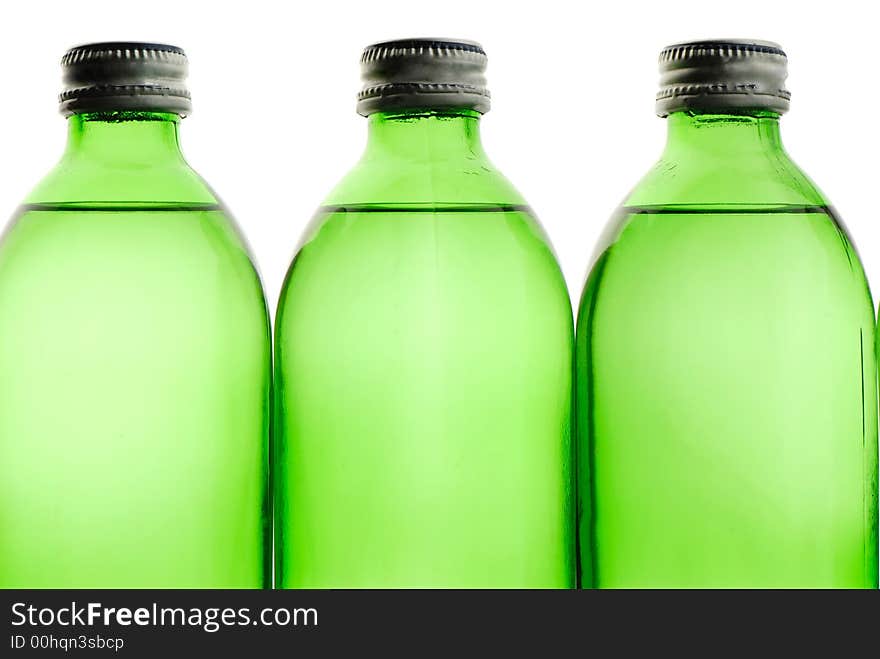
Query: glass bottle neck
724	135
124	138
425	135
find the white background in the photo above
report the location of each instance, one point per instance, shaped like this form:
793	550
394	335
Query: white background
572	124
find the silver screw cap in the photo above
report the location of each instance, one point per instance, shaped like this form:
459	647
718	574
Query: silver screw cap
723	74
124	76
423	73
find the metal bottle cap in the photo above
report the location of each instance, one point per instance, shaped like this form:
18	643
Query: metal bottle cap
120	76
740	74
423	73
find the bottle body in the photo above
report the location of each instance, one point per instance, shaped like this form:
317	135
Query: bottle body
726	381
423	352
135	375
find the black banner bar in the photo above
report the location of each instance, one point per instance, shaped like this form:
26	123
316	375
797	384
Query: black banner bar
153	623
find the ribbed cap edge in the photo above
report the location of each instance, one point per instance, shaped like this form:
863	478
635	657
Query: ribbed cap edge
429	73
723	74
124	75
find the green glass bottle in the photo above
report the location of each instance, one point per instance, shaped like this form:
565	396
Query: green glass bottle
134	353
727	402
424	357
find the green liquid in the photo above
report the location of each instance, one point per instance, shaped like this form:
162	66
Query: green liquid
134	385
727	402
424	374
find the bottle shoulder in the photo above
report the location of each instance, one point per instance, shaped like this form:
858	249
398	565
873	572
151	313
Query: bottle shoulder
381	204
78	180
768	183
769	178
459	180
